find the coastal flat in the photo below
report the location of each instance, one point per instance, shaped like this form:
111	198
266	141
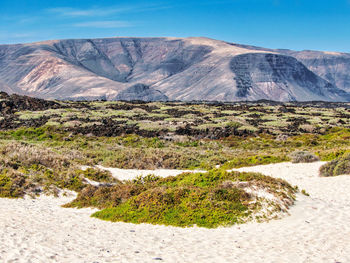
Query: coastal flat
39	230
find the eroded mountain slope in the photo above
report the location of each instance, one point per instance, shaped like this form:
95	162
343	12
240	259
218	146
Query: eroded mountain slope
173	68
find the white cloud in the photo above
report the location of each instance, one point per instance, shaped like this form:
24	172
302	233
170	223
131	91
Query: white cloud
104	24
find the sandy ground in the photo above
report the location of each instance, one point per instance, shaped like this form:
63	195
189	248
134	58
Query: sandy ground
317	230
128	174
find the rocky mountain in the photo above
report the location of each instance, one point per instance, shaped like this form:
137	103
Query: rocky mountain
171	69
141	92
332	66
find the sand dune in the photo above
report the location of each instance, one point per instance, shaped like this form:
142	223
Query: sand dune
316	231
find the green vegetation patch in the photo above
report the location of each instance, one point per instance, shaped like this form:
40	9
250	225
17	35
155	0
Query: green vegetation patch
212	199
10	184
254	160
29	169
97	175
339	166
182	206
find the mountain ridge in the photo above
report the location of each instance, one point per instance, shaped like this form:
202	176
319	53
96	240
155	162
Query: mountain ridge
185	69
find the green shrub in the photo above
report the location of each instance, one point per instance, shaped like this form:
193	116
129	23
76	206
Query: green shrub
30	169
97	175
329	156
105	196
182	206
339	166
204	199
11	184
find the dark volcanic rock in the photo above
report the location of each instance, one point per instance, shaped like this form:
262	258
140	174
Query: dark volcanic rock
13	103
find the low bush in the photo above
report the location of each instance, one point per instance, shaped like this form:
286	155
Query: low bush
30	169
210	199
303	157
182	206
339	166
105	196
11	184
97	175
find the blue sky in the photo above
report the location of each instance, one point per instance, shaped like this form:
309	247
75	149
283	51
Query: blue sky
293	24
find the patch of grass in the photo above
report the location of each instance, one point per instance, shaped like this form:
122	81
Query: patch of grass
29	115
34	134
254	160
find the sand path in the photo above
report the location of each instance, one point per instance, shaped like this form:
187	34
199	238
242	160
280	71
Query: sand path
318	230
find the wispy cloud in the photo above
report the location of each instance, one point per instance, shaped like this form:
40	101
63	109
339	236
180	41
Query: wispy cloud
10	37
104	11
104	24
19	19
72	12
21	35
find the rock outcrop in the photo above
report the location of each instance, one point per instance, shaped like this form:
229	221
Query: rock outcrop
13	103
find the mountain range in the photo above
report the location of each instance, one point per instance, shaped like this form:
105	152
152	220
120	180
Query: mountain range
185	69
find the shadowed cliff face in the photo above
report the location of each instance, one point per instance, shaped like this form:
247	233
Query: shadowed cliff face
333	67
171	69
281	77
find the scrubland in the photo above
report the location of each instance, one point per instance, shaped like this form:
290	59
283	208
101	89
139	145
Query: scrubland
43	151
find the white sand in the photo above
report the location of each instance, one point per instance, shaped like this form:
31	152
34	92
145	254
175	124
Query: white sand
129	174
318	230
